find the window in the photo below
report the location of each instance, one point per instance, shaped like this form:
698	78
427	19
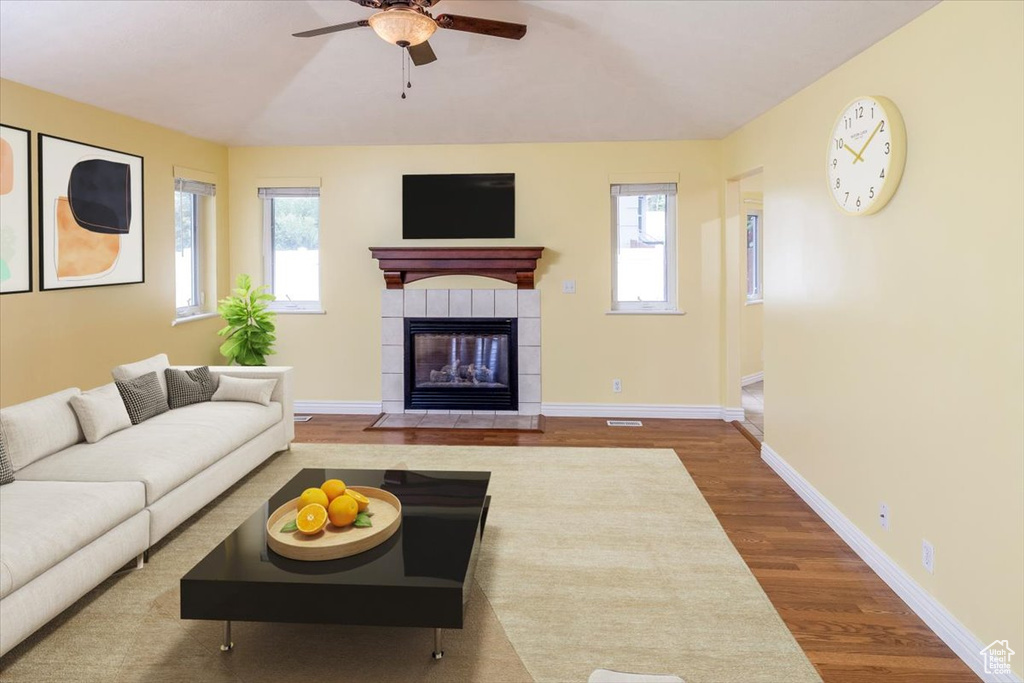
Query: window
754	257
644	251
291	239
189	196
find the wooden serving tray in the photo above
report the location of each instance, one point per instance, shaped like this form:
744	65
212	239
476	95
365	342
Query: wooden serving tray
333	543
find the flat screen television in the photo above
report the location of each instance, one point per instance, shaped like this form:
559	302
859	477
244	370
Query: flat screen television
459	205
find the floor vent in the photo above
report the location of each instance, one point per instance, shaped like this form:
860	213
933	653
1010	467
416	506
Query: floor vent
625	423
303	418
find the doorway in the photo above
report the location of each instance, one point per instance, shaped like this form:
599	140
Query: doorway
751	194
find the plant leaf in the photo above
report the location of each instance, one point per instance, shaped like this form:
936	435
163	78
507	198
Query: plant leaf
289	527
362	520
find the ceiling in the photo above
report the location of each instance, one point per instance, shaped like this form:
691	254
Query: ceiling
229	71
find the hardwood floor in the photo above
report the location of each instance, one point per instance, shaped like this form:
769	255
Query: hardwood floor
848	622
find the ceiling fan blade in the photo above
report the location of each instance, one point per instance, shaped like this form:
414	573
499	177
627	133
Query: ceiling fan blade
487	27
422	54
332	29
375	4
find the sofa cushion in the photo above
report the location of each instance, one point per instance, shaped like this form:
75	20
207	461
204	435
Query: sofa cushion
185	387
31	543
142	397
157	364
101	412
39	427
245	389
162	452
6	469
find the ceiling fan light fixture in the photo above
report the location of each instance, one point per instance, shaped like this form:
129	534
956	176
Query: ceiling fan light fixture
400	26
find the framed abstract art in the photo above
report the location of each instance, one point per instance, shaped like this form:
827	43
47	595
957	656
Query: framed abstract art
15	211
90	216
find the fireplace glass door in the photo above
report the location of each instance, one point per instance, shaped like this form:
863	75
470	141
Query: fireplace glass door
461	363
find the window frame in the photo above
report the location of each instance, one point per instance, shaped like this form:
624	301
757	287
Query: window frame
671	302
757	296
197	291
268	195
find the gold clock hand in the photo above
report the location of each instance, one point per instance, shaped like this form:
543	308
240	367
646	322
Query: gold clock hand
870	138
855	155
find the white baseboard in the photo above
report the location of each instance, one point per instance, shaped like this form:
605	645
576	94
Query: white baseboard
337	407
752	379
960	640
677	412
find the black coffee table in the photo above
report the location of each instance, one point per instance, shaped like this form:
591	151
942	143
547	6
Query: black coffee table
421	576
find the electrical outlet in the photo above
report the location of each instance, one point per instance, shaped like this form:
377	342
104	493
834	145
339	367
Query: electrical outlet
883	515
928	556
568	286
617	386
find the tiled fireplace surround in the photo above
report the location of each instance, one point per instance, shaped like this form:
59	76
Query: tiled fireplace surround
398	304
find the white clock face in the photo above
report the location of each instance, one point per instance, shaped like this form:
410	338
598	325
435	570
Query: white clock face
865	156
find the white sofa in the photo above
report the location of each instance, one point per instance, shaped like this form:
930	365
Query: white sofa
77	511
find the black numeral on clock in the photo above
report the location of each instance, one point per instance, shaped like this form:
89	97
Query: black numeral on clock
837	183
871	193
887	148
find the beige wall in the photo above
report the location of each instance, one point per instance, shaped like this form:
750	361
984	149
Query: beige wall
562	204
895	342
55	339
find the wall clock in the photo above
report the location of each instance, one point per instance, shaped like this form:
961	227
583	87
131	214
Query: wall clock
866	154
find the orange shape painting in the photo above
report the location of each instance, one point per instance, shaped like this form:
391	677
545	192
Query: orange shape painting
6	167
80	252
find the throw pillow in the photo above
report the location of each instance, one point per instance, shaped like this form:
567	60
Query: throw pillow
244	389
157	364
100	412
185	387
6	469
142	397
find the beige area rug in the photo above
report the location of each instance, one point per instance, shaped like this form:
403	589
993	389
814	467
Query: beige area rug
592	558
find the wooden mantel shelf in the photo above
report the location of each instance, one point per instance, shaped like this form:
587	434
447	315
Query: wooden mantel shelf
402	265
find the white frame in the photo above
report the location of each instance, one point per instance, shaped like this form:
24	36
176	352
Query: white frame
670	305
268	196
758	295
197	290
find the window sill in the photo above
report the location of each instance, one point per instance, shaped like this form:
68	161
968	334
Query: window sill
298	311
193	318
754	302
638	312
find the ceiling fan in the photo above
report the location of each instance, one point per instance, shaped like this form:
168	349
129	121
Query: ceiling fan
408	24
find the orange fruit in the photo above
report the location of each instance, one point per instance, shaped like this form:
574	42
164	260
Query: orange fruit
333	488
343	511
310	496
312	519
362	500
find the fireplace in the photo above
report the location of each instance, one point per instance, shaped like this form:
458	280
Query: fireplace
461	364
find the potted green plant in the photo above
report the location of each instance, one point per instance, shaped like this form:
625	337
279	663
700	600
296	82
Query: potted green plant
250	324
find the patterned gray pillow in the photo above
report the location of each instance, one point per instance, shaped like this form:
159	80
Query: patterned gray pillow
143	398
6	470
185	387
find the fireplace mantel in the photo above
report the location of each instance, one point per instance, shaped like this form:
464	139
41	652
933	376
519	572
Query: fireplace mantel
402	265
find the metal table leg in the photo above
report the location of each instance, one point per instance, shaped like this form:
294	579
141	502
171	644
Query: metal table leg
438	652
227	645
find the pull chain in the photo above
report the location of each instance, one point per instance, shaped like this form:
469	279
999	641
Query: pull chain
403	72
